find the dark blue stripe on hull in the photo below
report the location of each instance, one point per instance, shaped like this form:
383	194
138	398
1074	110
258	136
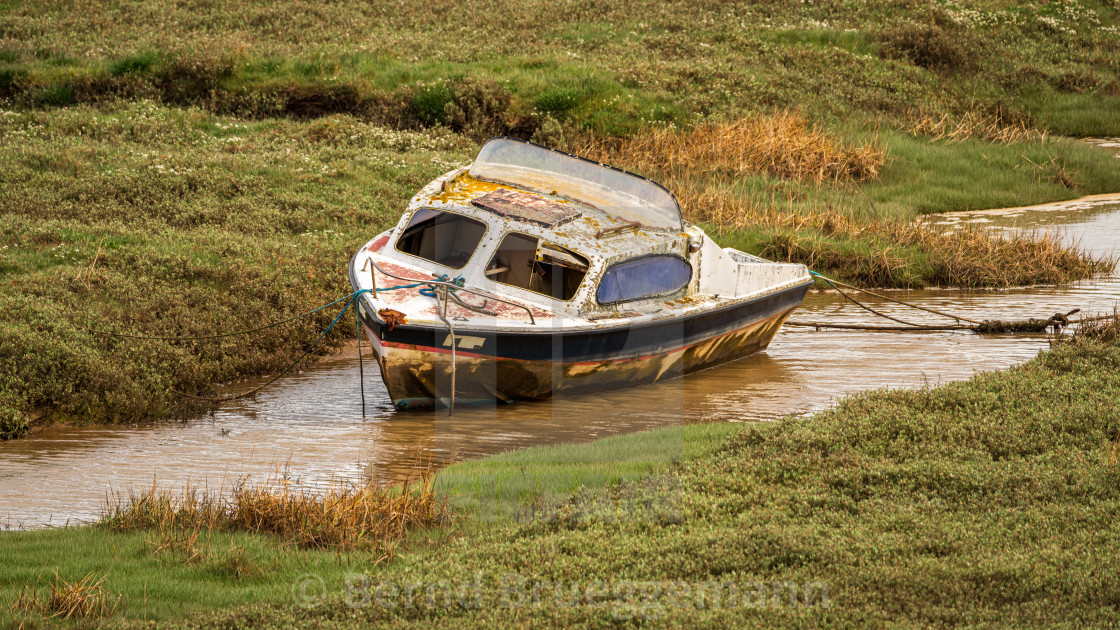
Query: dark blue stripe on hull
556	344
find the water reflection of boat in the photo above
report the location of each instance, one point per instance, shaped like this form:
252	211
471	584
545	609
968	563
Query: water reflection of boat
541	273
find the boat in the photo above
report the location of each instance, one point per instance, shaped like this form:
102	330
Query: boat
533	273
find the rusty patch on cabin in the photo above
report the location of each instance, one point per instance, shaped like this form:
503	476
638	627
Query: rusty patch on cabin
526	207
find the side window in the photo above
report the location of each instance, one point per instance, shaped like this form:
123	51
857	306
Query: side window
643	278
441	237
523	261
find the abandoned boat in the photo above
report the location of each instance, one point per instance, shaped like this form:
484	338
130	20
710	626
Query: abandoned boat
534	273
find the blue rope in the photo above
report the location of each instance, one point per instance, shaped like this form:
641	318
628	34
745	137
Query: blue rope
351	300
431	290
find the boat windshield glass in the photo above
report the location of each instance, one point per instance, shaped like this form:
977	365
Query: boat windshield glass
619	194
643	278
441	237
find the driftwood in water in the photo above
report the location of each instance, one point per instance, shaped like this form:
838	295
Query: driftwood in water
1057	321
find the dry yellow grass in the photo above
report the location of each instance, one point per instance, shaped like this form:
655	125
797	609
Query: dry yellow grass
365	517
783	145
83	599
971	126
971	257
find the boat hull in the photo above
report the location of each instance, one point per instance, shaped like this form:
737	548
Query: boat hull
416	361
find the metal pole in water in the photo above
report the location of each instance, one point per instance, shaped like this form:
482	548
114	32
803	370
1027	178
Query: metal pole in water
442	310
361	368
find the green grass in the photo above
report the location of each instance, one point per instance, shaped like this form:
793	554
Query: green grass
233	569
933	177
1080	115
505	485
1052	62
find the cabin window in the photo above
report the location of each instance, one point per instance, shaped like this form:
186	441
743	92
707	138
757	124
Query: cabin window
524	261
441	237
643	278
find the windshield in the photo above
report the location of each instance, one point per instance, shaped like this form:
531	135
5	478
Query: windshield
619	194
643	278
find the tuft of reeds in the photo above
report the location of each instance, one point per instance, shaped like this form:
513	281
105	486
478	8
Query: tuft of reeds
784	145
885	252
1105	329
971	126
345	516
975	257
85	598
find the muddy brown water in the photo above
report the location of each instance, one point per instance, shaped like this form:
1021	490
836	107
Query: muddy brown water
310	428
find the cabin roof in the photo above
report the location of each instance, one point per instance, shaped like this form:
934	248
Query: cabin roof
613	191
571	224
526	207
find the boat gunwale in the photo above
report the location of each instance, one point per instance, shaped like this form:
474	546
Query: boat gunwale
527	329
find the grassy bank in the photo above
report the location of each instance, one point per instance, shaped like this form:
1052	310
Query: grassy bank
154	221
1051	64
168	556
182	170
981	502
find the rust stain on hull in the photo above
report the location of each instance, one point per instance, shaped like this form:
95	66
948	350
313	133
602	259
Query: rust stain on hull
420	377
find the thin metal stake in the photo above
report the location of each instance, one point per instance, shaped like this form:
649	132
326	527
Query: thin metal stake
361	368
441	309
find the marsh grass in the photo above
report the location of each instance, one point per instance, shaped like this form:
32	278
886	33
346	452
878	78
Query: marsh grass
704	166
82	599
511	484
666	62
784	145
972	125
341	516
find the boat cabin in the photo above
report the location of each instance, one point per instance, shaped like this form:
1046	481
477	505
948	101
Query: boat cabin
569	237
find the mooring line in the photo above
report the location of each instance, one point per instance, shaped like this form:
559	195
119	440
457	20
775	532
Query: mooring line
106	333
866	327
361	368
890	299
860	304
352	300
1057	320
218	399
441	310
